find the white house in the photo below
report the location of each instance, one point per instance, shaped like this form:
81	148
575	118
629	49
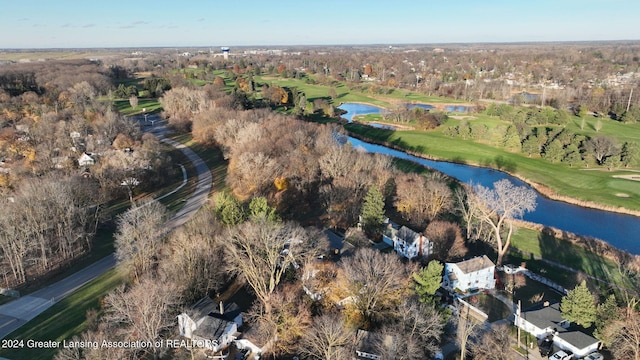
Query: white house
473	274
86	160
407	242
546	319
215	325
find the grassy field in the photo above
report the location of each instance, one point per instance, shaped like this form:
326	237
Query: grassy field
64	319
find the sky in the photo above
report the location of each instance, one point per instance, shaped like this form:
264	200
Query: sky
26	24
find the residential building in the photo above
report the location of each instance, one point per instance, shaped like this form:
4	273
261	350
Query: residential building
215	325
470	275
407	242
86	160
545	319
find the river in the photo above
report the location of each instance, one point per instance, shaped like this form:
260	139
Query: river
620	230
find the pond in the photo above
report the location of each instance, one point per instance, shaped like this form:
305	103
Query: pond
619	230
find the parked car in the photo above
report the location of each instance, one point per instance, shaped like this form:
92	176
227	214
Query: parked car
594	356
560	355
439	356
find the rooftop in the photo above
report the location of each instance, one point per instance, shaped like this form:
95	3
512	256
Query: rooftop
550	317
475	264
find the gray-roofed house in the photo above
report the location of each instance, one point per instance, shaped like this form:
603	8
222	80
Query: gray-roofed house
477	273
546	319
407	242
215	325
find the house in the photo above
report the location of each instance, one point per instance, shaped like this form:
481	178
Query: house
470	275
213	325
545	319
86	160
369	345
407	242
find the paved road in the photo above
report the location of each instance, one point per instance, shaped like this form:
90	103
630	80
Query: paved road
18	312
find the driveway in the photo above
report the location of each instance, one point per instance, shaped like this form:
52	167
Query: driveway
18	312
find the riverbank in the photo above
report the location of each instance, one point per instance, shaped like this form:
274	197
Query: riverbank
542	189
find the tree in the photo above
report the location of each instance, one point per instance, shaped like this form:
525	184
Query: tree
228	209
376	282
606	313
601	147
285	325
466	328
262	252
630	154
416	332
372	212
421	199
143	311
133	101
427	281
498	207
492	344
260	209
329	339
622	336
447	240
139	237
554	151
579	306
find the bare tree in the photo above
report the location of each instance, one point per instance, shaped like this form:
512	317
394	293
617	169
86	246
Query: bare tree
417	331
622	336
497	208
422	199
466	328
143	311
194	258
448	243
133	101
287	323
261	252
492	344
329	339
376	282
139	237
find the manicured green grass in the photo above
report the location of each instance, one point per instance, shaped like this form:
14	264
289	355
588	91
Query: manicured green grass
64	319
150	105
594	186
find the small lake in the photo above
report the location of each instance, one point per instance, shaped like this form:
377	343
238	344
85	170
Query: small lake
619	230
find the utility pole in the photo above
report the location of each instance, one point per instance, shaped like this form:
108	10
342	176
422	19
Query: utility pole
629	102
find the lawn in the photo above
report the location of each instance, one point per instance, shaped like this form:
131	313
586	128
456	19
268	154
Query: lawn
548	247
64	319
494	308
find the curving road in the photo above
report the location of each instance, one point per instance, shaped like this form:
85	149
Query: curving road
18	312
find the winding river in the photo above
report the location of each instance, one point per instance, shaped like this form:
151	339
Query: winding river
620	230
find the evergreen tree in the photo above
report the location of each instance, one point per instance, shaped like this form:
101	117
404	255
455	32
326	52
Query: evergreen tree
228	209
606	313
260	209
372	212
579	306
427	281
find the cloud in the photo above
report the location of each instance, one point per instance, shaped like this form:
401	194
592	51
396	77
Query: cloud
133	24
201	19
88	25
